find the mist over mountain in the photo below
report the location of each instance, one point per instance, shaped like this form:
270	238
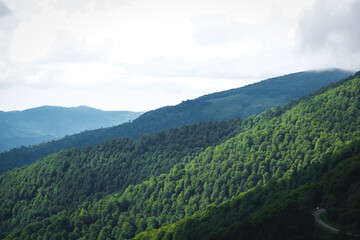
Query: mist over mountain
44	123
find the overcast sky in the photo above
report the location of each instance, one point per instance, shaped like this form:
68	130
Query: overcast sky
140	55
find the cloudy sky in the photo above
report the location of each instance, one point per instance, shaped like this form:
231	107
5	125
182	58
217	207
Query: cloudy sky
140	55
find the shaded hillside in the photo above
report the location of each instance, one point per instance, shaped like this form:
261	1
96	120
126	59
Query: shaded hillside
49	122
278	143
243	102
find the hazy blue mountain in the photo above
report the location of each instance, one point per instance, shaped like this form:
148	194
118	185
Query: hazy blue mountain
240	102
49	122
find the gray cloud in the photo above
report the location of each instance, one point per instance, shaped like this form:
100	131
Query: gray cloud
4	10
331	26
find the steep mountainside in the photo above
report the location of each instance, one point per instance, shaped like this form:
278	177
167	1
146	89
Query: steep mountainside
103	169
241	102
49	122
282	209
279	143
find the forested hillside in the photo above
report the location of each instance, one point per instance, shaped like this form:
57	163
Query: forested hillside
103	169
278	143
44	123
241	102
282	209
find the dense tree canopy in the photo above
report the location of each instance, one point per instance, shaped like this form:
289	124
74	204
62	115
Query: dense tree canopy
66	179
282	209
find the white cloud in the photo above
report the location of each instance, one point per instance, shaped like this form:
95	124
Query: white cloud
90	74
162	52
68	49
216	29
39	39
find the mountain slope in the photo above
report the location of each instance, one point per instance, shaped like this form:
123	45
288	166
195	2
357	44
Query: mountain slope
282	209
256	98
49	122
243	102
274	144
103	169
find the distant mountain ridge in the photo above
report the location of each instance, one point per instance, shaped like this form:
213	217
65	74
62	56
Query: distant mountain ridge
241	102
256	98
44	123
